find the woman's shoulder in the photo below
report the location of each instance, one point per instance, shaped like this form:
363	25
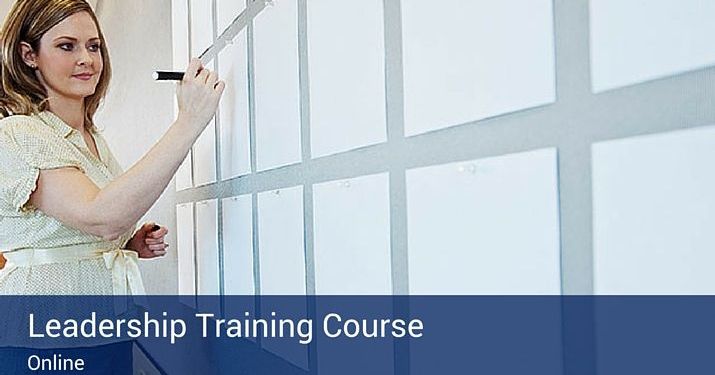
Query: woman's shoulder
23	126
21	120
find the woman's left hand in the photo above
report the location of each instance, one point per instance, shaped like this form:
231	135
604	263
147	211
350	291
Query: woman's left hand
148	241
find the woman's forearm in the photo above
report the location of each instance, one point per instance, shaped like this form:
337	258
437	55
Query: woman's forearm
121	203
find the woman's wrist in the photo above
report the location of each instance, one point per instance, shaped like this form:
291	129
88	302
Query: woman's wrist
187	124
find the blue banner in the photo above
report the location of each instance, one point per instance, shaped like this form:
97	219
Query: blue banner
359	334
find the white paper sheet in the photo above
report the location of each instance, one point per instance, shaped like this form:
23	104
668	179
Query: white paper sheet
204	150
277	86
207	247
634	40
346	59
204	155
185	251
238	245
201	26
180	38
352	236
280	241
466	60
654	214
183	174
180	33
233	110
488	226
282	258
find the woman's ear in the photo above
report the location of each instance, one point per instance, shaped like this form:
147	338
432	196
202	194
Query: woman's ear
28	55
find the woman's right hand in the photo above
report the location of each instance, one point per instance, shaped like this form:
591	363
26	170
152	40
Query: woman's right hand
198	95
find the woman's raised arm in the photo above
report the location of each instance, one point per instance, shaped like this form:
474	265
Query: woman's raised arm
70	196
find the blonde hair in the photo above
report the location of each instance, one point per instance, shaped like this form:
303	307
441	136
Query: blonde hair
21	93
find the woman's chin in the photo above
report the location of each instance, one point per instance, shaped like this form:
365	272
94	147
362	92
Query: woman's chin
83	89
80	94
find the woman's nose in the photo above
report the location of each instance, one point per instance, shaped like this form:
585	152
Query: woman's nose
85	58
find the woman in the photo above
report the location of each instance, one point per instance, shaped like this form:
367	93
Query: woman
67	211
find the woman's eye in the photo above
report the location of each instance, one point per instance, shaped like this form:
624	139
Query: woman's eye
66	46
94	47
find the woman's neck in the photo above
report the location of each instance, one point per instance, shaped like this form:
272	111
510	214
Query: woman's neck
71	111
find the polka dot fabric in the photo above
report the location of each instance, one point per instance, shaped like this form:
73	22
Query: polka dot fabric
29	144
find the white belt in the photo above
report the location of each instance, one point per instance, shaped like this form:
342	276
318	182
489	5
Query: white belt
123	263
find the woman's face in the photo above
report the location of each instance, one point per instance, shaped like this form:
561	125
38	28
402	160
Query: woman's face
69	61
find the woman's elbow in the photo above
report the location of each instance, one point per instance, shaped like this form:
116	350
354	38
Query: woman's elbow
110	232
81	208
111	235
107	229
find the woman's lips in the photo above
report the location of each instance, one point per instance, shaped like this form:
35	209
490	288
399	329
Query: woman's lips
83	77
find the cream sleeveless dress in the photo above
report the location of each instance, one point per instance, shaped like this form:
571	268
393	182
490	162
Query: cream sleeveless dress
44	256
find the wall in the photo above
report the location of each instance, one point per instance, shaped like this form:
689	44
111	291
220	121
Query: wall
523	96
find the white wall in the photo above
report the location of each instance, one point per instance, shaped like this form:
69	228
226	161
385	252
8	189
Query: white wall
4	8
